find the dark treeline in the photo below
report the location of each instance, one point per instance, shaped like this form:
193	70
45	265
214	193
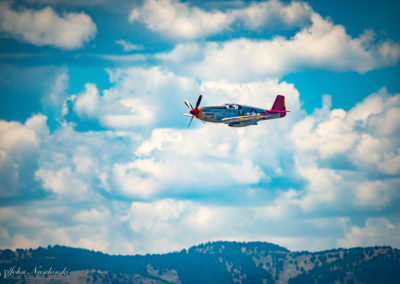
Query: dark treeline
217	262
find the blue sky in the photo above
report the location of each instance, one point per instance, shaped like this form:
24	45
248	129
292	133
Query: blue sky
94	152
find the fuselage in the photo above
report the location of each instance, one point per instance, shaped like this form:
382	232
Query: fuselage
235	115
216	114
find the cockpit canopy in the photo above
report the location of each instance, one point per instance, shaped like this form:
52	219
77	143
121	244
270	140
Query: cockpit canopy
232	106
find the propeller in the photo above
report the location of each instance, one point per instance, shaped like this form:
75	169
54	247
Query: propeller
198	101
188	104
190	121
194	111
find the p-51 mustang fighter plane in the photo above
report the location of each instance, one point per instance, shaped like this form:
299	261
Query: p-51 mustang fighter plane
236	115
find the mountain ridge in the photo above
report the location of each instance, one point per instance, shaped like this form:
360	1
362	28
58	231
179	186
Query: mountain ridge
212	262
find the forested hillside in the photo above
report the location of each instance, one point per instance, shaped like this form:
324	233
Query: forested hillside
217	262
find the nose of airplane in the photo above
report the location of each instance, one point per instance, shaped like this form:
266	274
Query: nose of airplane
194	111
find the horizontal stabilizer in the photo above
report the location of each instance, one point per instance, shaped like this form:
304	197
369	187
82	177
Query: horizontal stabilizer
277	111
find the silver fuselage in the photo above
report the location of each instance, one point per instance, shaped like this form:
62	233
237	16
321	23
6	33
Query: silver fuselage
217	114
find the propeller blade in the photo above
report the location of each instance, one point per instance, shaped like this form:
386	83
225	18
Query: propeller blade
198	101
190	121
188	104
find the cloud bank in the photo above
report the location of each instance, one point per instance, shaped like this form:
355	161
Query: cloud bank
182	21
46	27
323	45
269	183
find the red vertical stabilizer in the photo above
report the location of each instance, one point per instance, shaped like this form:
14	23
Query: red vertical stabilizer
279	106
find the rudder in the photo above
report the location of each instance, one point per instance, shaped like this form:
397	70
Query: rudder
279	103
279	106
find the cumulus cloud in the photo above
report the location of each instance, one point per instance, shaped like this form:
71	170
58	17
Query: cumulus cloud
377	231
62	222
139	98
81	174
159	160
46	27
375	193
365	129
85	167
343	155
340	178
19	145
87	102
272	182
181	20
82	169
316	141
166	162
323	45
142	97
180	224
154	178
177	19
274	13
143	227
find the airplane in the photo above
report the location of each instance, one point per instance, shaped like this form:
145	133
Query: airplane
236	115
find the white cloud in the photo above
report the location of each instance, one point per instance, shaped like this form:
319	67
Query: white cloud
87	102
82	168
19	145
331	135
173	225
16	136
176	161
142	227
127	58
376	232
347	162
132	181
323	45
56	96
281	208
46	27
176	19
112	110
93	215
139	98
173	188
163	163
62	182
128	46
145	216
48	224
170	163
181	20
376	193
274	13
83	163
343	155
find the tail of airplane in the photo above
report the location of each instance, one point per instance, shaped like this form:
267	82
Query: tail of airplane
279	106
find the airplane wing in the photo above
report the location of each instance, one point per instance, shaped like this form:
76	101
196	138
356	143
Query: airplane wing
254	117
